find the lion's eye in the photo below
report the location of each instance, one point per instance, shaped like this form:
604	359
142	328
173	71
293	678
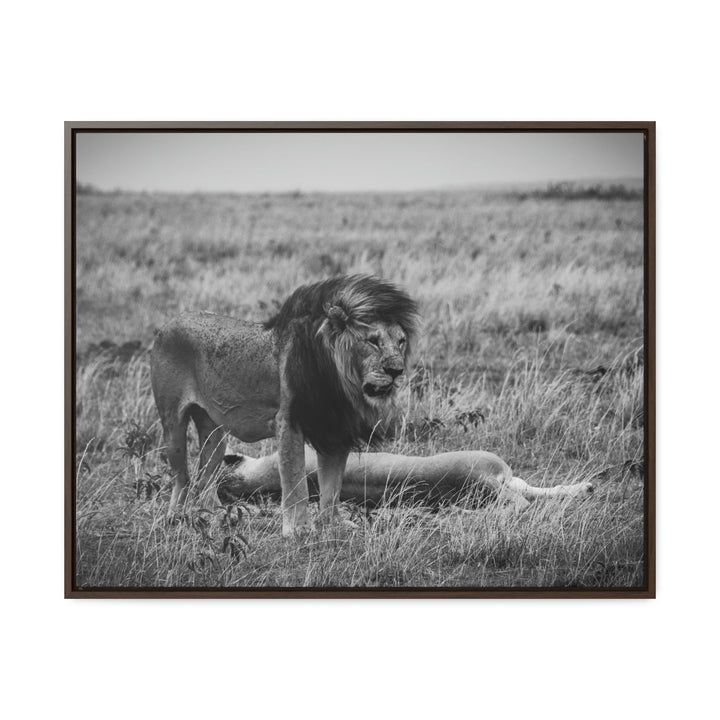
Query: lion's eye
401	342
375	342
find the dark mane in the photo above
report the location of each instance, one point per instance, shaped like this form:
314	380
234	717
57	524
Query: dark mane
320	408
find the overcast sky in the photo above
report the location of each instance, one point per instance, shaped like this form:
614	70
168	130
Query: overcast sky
282	162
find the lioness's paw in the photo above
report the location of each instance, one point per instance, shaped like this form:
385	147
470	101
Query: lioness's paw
582	488
349	524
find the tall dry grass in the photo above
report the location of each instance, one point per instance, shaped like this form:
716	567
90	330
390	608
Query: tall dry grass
531	348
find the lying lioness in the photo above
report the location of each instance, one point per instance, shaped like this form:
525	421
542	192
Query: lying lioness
371	478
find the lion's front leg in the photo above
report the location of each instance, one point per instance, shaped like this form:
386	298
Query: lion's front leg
331	469
293	483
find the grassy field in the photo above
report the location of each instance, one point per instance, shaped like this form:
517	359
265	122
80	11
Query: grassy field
531	347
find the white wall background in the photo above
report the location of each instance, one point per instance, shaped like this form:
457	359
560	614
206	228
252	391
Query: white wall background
375	60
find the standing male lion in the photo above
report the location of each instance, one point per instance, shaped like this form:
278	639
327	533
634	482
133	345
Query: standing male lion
324	371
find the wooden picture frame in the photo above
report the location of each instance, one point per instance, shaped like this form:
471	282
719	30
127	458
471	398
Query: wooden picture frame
644	472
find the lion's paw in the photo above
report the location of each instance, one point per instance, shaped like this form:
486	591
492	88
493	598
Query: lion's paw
297	532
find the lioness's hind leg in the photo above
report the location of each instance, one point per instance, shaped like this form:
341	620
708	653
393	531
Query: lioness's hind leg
211	438
531	491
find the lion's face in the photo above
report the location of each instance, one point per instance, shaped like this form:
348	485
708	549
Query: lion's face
381	350
370	356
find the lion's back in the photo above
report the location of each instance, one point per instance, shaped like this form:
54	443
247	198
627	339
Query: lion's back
217	356
194	334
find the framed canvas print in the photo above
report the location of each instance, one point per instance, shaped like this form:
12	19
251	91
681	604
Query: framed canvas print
360	359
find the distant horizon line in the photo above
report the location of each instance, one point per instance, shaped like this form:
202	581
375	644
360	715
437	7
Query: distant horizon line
90	187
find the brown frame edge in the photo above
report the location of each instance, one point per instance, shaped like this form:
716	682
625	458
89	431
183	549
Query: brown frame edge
648	129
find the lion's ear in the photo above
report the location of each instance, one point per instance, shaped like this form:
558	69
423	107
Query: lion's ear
337	318
335	322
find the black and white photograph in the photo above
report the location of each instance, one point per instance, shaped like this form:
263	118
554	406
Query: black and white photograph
339	360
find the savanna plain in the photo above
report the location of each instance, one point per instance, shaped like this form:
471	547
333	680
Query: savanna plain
531	347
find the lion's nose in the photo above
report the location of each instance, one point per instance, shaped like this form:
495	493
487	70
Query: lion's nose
393	372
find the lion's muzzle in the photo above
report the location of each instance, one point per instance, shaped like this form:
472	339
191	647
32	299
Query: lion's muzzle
378	391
